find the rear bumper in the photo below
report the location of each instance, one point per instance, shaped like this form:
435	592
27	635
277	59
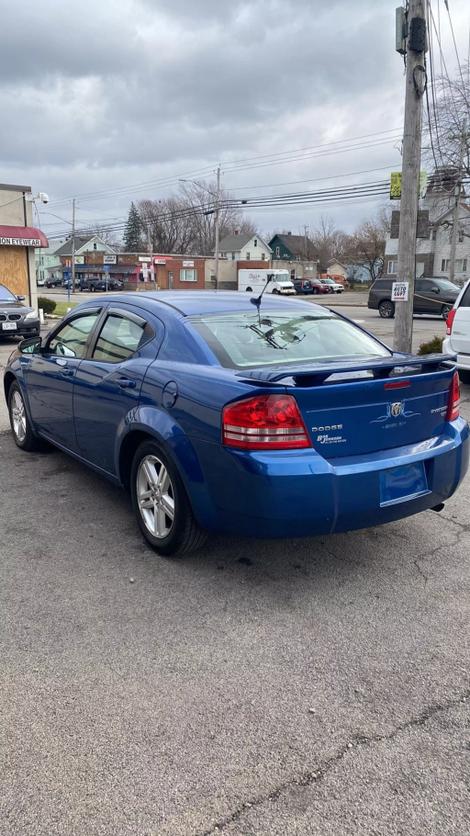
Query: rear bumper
463	360
302	494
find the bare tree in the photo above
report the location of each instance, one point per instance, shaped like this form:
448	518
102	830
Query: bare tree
202	198
185	222
448	125
329	242
366	246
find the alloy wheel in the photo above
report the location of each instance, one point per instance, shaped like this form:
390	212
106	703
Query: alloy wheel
18	417
155	497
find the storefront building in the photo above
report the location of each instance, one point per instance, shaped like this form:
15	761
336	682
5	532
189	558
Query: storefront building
18	240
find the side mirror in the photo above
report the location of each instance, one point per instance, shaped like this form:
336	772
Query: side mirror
21	298
31	345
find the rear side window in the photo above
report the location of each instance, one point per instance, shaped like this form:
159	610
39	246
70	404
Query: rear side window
465	300
241	340
119	339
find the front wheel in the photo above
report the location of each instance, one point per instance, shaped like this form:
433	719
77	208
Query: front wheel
249	290
387	309
23	434
445	311
160	502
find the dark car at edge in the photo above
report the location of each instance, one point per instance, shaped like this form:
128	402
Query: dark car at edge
434	296
16	319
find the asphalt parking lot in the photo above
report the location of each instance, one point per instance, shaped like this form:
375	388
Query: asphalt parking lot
314	686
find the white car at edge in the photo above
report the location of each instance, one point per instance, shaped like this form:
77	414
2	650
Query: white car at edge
457	340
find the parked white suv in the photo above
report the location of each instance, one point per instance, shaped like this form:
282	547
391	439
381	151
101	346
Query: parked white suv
458	333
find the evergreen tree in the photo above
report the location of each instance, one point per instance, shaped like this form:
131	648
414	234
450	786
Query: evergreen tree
132	234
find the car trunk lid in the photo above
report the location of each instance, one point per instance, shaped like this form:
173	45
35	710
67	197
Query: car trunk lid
355	408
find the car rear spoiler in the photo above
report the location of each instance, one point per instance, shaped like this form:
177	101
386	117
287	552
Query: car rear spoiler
379	366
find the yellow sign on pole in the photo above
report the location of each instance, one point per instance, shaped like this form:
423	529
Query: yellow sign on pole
395	184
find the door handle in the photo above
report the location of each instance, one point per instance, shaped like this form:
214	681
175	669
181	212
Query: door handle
66	372
125	383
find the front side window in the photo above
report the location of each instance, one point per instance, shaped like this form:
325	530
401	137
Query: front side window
71	340
188	275
243	340
119	339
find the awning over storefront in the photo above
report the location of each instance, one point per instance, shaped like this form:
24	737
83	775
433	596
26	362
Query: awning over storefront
22	236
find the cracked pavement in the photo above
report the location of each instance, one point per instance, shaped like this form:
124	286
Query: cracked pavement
304	687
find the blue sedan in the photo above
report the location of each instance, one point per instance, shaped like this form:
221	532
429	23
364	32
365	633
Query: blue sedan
260	417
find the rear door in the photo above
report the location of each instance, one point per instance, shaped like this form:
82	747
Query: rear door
460	340
108	382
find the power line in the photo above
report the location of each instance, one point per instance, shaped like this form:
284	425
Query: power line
455	46
281	157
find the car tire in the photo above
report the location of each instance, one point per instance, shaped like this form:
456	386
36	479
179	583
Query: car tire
275	292
445	311
23	434
93	288
387	309
464	376
249	290
155	479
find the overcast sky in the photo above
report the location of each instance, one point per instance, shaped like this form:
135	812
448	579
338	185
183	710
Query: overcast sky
102	96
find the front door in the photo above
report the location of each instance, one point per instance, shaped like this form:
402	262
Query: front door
50	378
108	384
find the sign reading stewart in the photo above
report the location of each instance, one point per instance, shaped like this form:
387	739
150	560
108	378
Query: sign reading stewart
20	242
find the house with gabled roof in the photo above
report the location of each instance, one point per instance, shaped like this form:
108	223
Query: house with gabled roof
84	244
244	247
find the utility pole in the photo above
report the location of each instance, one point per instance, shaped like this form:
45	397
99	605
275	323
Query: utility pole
150	249
456	215
217	229
71	287
306	242
415	86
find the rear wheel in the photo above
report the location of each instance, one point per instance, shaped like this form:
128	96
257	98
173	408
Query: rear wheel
23	434
445	311
249	290
387	309
160	502
275	292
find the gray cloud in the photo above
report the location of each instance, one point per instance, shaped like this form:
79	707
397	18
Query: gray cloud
141	89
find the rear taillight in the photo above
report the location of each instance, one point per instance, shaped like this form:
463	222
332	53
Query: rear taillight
265	422
453	411
450	321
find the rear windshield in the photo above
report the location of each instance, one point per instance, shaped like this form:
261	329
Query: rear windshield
244	339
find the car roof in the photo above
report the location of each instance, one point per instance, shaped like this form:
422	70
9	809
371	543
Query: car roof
196	302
